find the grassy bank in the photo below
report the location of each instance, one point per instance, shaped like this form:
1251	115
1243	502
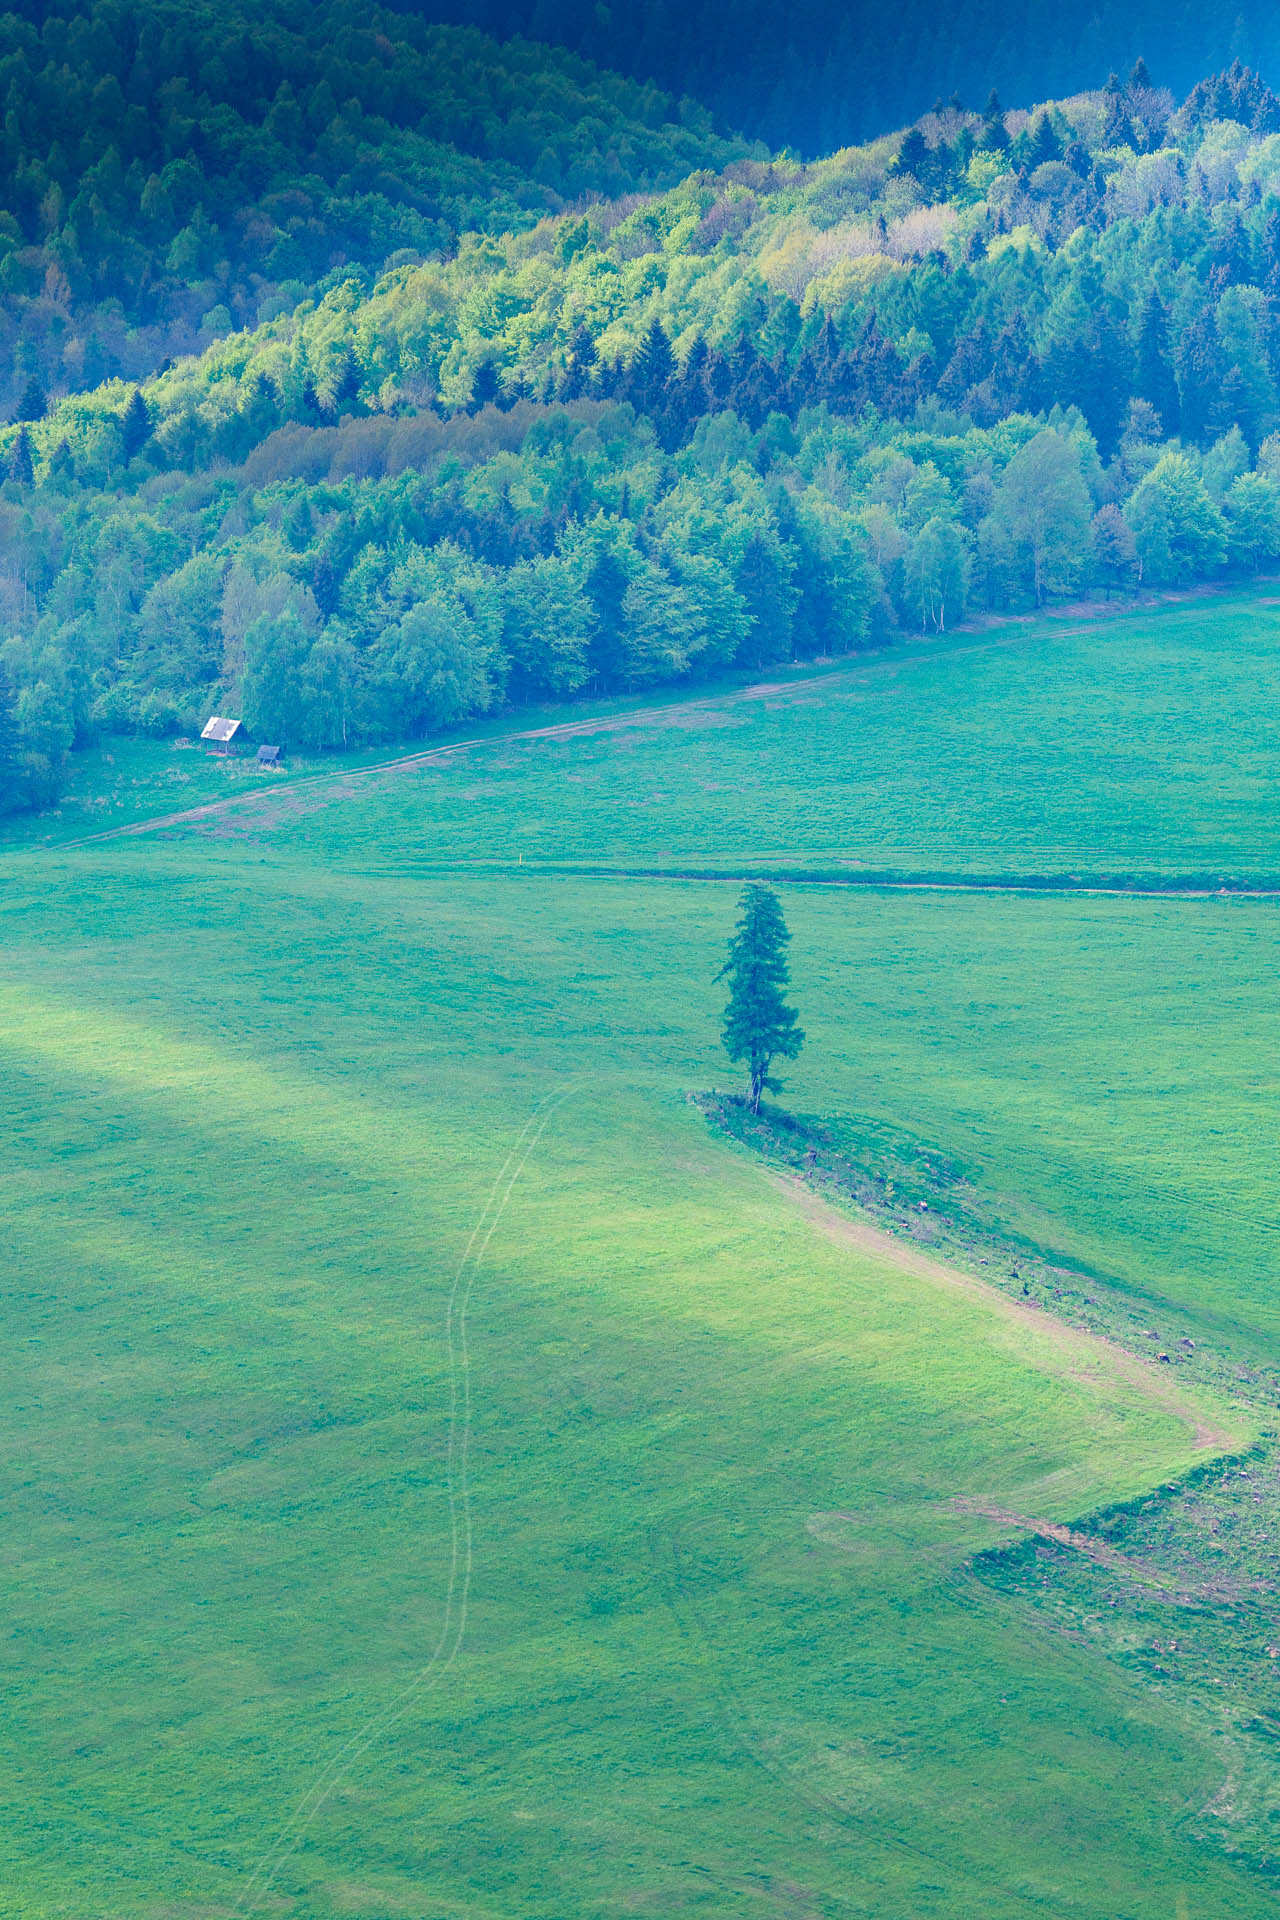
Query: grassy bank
397	1527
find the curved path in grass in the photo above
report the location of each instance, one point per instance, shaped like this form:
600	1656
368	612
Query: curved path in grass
1209	1436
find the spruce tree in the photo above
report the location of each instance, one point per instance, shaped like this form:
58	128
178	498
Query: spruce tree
759	1026
21	466
486	388
653	366
135	425
1044	144
62	466
346	387
1116	128
581	362
914	157
689	396
34	403
606	588
1153	379
994	137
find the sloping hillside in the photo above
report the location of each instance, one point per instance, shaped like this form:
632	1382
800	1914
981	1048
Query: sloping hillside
812	76
773	411
169	171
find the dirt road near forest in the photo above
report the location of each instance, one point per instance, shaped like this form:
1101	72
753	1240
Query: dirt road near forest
287	798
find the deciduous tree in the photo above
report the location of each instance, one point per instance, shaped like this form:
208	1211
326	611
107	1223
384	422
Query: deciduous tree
1043	505
1180	534
10	762
937	573
1114	551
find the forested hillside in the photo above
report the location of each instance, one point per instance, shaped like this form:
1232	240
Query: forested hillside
812	75
772	411
169	171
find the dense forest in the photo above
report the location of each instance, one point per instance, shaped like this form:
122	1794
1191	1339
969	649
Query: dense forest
169	171
773	410
812	75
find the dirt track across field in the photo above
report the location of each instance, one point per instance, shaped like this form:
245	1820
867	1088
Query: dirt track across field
294	796
1208	1436
275	804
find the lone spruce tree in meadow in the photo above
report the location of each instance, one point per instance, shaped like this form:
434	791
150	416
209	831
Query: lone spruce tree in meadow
759	1026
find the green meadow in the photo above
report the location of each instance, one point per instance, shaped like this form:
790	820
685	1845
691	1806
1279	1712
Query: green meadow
447	1480
1136	745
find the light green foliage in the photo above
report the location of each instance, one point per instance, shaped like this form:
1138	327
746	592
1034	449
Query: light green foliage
45	734
721	619
1115	551
276	653
547	622
936	572
1179	531
799	406
1226	462
1252	513
179	643
1042	510
660	626
436	662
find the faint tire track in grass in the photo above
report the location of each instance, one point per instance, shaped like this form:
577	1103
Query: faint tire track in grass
458	1588
739	1722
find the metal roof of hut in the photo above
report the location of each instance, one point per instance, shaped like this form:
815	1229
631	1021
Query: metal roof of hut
220	730
268	756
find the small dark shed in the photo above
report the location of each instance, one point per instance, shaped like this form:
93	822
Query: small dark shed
220	733
270	756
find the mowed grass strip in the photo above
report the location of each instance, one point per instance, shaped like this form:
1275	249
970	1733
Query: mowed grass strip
720	1650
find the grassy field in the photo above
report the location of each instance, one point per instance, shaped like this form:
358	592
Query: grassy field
446	1480
1143	745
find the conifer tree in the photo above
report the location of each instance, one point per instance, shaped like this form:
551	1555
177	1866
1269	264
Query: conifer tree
1154	379
994	137
581	362
1044	144
689	396
759	1026
606	586
21	466
62	466
913	156
34	403
1116	129
652	368
486	388
135	425
346	387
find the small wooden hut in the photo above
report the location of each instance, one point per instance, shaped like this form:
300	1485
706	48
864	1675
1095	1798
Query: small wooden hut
220	733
